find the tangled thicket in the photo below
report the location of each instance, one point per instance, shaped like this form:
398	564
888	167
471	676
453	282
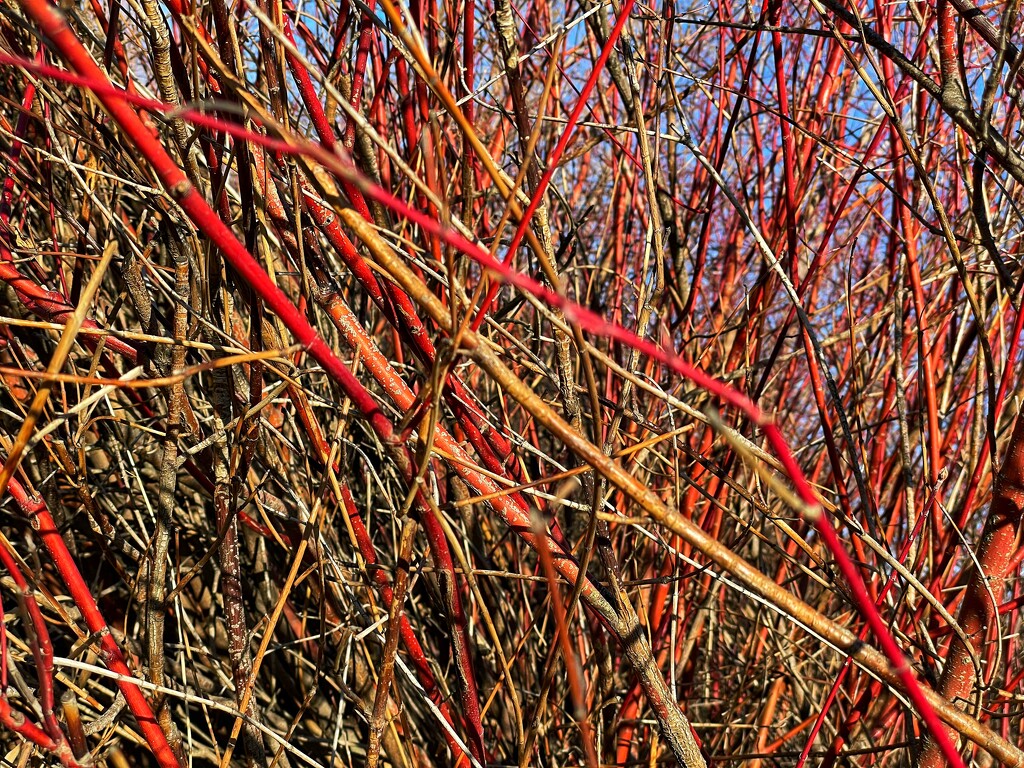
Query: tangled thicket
479	383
